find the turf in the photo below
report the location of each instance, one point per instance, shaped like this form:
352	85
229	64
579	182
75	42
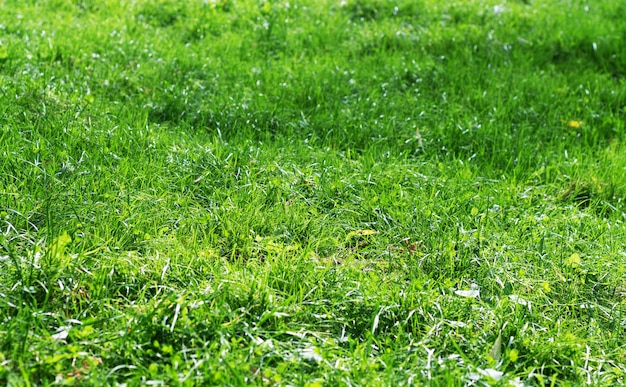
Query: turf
366	192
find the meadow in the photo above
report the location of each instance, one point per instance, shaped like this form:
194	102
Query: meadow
312	193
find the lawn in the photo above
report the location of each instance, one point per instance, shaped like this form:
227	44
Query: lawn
312	193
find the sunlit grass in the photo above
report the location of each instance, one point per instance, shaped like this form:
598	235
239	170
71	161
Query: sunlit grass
294	193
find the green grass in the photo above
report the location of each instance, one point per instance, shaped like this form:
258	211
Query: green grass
310	193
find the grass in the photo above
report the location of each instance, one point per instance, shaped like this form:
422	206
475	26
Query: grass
318	193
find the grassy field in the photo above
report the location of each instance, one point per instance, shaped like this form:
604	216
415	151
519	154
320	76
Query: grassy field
312	193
